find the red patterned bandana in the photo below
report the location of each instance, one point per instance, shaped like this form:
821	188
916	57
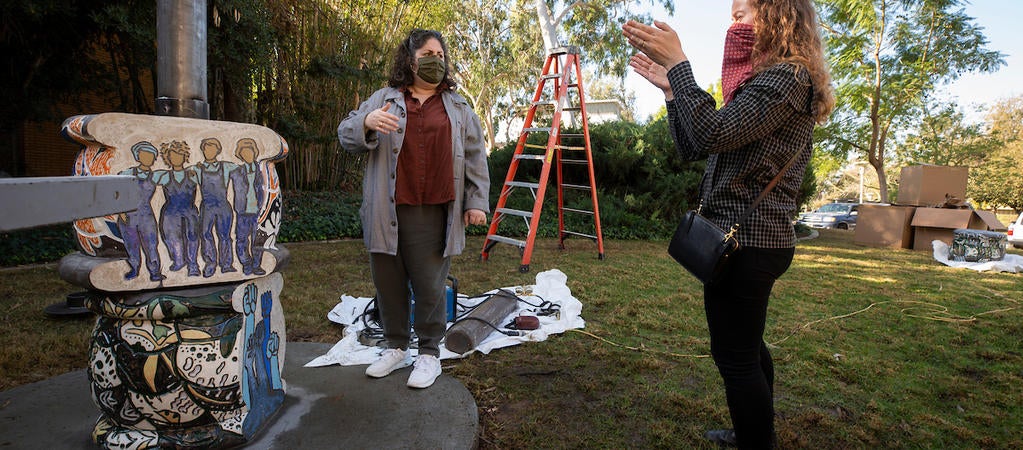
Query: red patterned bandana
737	65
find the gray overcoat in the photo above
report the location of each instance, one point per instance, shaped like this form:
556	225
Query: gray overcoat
469	156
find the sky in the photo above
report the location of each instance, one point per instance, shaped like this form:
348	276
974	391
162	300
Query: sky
701	26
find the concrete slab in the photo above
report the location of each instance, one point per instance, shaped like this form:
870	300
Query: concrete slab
326	407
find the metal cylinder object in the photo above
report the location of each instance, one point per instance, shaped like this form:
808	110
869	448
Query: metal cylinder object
181	59
467	333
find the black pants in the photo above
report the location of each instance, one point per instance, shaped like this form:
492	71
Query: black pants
736	307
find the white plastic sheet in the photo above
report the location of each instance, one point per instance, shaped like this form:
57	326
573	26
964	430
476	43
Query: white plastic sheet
1010	263
550	285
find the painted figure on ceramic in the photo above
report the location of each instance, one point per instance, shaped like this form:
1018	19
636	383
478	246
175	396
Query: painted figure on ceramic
262	386
138	227
216	213
179	218
247	181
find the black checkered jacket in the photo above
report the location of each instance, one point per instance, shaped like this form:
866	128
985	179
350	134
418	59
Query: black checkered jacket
746	143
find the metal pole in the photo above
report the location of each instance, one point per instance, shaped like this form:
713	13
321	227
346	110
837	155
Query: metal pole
861	184
181	59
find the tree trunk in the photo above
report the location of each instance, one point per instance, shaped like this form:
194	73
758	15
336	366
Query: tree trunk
548	28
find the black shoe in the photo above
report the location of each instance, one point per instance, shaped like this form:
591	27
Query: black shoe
723	438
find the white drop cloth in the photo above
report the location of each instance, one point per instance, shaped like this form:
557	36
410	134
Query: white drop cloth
550	285
1010	263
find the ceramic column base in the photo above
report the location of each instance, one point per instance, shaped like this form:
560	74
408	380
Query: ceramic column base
188	368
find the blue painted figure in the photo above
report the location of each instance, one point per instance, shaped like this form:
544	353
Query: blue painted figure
179	218
247	183
262	388
216	213
138	228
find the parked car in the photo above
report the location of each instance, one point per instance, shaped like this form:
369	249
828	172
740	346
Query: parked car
840	215
1015	232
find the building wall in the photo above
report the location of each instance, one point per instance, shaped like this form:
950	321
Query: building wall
42	152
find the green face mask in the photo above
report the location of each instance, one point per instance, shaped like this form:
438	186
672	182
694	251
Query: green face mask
431	69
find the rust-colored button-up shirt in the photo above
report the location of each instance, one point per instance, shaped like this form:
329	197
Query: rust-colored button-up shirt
425	169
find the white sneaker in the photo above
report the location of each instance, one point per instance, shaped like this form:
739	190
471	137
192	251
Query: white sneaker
425	372
390	360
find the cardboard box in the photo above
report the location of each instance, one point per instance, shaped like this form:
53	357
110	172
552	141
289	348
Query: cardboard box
992	221
885	226
927	185
939	223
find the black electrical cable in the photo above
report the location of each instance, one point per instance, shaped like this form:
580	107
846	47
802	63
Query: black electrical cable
545	308
495	327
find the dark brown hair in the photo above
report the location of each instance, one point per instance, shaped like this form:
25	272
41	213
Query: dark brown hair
405	55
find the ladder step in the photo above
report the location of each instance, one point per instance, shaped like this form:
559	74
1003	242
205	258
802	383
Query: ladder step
532	157
551	76
534	130
580	234
574	161
506	240
571	147
572	108
578	211
574	135
543	103
522	184
515	212
576	186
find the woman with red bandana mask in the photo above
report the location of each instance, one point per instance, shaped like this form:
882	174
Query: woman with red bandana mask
776	88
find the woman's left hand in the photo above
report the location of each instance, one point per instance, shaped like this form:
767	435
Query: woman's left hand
655	73
474	217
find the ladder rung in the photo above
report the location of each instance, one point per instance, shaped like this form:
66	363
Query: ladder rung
580	234
533	130
522	184
537	146
515	212
570	147
572	108
528	156
578	211
574	135
543	103
506	240
576	186
552	76
574	161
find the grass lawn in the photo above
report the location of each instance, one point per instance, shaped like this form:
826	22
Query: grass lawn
872	347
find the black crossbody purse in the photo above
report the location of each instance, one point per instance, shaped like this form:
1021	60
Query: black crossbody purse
702	247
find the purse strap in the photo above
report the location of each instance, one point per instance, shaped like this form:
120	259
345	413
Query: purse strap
756	202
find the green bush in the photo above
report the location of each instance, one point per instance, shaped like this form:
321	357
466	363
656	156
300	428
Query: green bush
37	245
317	216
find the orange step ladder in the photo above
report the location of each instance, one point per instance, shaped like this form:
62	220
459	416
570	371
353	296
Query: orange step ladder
563	74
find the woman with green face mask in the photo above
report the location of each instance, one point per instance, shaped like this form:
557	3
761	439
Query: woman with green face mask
426	179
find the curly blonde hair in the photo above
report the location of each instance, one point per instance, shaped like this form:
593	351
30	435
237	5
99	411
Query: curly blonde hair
179	147
787	32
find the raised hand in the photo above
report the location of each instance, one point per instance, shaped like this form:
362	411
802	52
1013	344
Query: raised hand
381	121
659	42
655	73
